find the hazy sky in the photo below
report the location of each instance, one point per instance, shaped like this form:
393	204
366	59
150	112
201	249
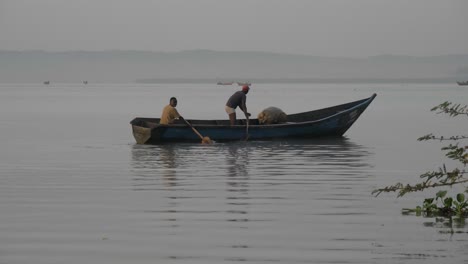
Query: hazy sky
316	27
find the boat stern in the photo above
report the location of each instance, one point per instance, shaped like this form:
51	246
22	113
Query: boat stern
141	134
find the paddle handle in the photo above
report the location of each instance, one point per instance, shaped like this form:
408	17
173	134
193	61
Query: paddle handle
247	127
194	130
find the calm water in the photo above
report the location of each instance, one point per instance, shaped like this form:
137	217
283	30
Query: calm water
75	188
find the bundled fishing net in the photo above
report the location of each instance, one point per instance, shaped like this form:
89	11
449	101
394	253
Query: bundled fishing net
272	115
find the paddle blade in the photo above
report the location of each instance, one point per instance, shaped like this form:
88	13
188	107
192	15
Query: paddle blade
206	140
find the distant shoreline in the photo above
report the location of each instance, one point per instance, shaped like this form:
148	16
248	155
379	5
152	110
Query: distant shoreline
201	66
298	80
254	81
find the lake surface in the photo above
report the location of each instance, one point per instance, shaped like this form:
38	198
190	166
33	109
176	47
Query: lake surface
75	188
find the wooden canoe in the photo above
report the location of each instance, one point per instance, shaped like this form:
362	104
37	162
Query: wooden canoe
327	122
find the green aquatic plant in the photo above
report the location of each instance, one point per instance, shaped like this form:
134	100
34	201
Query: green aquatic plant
461	206
441	205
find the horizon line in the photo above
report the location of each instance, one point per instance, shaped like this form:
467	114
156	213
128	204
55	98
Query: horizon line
226	51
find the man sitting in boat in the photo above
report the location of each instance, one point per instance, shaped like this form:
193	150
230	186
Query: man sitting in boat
170	113
239	98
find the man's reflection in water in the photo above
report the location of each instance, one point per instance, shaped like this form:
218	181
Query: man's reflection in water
153	167
237	157
237	186
167	157
150	163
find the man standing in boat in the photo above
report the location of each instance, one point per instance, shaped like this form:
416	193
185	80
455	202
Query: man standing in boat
239	98
169	113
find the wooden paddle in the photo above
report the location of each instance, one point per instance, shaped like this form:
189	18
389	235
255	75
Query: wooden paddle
247	128
204	140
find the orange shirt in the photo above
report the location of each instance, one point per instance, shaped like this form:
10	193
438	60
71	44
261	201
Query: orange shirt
168	115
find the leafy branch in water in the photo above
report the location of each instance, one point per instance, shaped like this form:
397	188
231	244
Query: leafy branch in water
451	109
442	177
441	138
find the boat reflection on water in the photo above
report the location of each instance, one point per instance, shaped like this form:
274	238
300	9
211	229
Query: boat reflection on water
241	161
273	167
236	187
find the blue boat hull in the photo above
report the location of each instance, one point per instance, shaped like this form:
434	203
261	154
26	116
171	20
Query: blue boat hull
328	122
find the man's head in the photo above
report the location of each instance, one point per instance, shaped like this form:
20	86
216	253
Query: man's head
173	101
245	89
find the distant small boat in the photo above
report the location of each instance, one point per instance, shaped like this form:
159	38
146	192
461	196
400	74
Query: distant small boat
462	83
243	83
224	83
47	82
85	82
